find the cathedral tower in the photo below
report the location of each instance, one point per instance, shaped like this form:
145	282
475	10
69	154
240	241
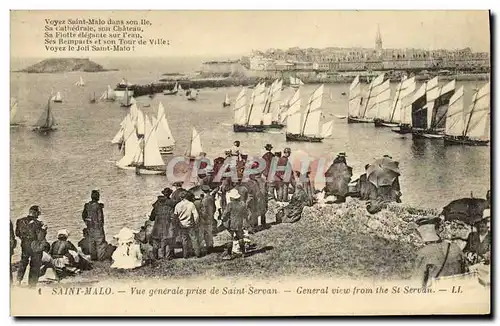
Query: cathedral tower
378	42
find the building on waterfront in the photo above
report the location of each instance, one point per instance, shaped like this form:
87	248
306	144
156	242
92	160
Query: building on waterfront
222	67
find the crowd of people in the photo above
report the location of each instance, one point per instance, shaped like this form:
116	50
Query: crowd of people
188	219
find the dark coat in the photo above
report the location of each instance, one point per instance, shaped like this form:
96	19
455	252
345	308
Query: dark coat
84	245
341	174
293	211
475	245
28	229
162	214
268	157
93	215
287	175
61	248
176	195
235	215
13	241
367	190
207	209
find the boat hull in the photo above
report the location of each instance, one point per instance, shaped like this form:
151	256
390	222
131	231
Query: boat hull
170	93
402	129
149	171
126	167
303	138
166	150
427	134
191	99
57	101
248	128
379	123
274	125
125	105
359	120
462	140
44	130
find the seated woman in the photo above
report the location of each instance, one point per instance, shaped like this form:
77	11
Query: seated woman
478	247
64	255
128	253
293	211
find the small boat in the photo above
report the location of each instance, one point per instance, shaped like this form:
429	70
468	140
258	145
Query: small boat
472	126
194	149
310	129
359	113
151	162
343	93
295	82
173	91
13	112
402	129
108	95
249	119
226	102
80	82
127	100
46	122
57	98
355	102
92	99
166	142
192	95
341	117
391	117
128	139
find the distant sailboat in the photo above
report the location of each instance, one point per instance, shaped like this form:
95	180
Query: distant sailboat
80	82
93	99
192	96
179	87
362	111
173	91
226	102
13	112
194	149
57	98
108	95
471	126
391	116
166	142
151	162
127	100
306	127
46	122
295	82
128	138
252	121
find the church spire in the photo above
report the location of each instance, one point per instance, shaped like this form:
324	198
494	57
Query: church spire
378	41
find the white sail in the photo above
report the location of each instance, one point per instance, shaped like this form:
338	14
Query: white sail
131	149
57	97
455	120
432	93
267	119
226	100
478	117
408	86
80	82
152	156
294	104
257	106
383	101
13	110
240	108
312	125
164	135
354	98
274	97
194	148
316	99
294	123
120	134
327	129
292	80
179	87
373	90
140	122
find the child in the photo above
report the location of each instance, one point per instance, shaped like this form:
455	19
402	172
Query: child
128	253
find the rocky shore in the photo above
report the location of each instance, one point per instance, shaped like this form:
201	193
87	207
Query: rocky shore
59	65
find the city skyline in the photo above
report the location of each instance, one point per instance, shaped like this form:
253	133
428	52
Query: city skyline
236	33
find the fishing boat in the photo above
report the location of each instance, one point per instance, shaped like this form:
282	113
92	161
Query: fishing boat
289	107
194	148
472	126
363	111
249	119
133	130
271	114
92	99
166	142
46	122
108	95
57	98
173	91
127	101
295	82
429	120
124	87
226	102
151	162
307	129
80	82
391	116
13	112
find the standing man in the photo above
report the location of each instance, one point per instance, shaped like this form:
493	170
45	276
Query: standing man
176	191
13	243
284	176
29	229
268	158
235	216
207	218
164	231
187	215
93	216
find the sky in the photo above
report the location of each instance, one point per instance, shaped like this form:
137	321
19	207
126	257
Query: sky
235	33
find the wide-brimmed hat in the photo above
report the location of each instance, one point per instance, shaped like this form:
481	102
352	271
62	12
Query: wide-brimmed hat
233	193
342	154
125	235
177	184
268	147
205	188
63	232
427	228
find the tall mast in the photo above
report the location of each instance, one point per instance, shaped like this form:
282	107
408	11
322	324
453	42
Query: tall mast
397	100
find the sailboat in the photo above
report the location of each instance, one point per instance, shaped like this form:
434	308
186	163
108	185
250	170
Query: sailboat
124	87
80	82
164	136
13	112
291	106
226	102
192	95
194	149
471	127
46	122
128	138
127	100
93	99
151	162
363	111
295	82
307	129
252	120
391	116
271	113
429	121
57	98
108	95
173	91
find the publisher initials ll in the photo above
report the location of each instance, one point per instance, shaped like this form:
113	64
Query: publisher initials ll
456	289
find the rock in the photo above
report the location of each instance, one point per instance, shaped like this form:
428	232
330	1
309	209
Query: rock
55	65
